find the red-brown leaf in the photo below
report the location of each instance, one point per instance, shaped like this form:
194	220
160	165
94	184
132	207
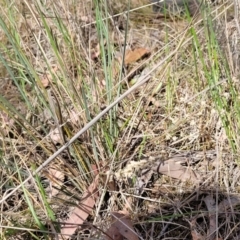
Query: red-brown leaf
174	168
122	226
135	55
79	215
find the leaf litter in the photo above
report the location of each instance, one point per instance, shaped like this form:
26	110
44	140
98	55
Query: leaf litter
121	227
82	211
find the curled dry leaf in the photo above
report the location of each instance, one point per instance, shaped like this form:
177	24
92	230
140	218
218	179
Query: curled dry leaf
135	55
121	226
80	214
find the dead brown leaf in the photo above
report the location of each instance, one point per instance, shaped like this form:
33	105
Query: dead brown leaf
122	226
211	206
135	55
231	202
109	181
80	214
195	234
113	233
174	168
